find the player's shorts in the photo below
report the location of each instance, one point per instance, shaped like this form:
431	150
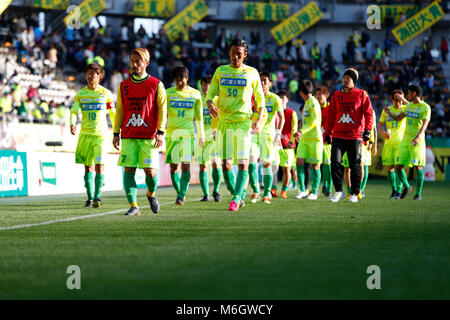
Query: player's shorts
389	154
411	156
90	150
206	154
311	151
233	140
179	149
287	157
367	158
326	159
139	153
276	155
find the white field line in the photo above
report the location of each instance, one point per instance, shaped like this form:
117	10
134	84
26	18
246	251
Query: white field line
29	225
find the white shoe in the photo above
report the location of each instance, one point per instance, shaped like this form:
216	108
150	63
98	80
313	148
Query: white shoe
337	196
312	196
301	194
353	198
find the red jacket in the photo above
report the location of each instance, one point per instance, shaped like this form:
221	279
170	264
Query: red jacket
287	128
349	114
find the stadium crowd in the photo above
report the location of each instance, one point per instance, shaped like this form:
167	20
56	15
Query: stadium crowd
35	65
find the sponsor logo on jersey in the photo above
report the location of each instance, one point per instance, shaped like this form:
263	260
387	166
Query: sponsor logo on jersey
182	104
86	100
233	82
269	108
136	121
206	112
306	114
92	106
410	114
346	119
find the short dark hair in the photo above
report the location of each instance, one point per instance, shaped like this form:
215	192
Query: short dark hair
324	91
180	72
283	93
306	86
97	68
416	88
239	42
206	79
395	91
267	74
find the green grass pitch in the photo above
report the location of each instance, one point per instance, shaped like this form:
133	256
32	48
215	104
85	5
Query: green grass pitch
291	249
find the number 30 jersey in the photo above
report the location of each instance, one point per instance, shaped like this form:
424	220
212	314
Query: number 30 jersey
93	105
234	88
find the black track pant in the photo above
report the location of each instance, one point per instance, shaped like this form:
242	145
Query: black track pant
353	149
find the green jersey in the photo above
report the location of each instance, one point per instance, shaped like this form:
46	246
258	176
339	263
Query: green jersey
235	88
396	128
93	105
182	108
312	120
416	113
273	105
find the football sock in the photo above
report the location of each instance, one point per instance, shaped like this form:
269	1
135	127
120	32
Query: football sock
99	178
175	177
130	187
253	176
204	183
365	178
349	190
217	177
152	183
402	176
268	179
88	183
284	188
315	180
392	180
241	181
301	177
184	185
419	182
230	180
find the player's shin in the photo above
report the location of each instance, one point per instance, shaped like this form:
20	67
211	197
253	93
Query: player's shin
184	185
217	177
315	180
152	183
99	178
268	179
88	183
301	177
419	182
130	188
175	177
204	183
401	174
241	181
253	176
230	180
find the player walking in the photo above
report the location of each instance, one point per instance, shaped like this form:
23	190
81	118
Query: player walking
140	122
93	100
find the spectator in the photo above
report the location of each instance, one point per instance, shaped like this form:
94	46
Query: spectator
444	49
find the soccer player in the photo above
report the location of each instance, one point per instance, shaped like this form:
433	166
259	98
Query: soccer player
287	155
322	94
93	100
310	143
208	154
140	122
412	149
370	148
235	84
350	120
269	135
184	106
393	135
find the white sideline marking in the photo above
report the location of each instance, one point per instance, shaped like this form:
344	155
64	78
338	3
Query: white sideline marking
29	225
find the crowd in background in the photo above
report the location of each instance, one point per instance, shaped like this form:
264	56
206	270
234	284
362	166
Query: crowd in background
56	55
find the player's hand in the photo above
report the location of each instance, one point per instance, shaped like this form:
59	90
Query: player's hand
256	126
328	139
201	142
73	129
386	135
213	111
386	109
415	141
289	145
158	140
374	150
278	139
370	146
116	143
366	135
297	135
398	96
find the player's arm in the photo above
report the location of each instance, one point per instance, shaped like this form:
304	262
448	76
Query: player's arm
367	112
74	115
213	91
259	101
118	120
281	120
110	108
331	118
161	103
381	123
198	116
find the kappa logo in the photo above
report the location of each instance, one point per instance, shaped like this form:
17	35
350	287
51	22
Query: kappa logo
136	121
346	119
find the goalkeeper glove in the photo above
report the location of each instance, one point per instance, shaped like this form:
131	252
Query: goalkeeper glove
328	138
366	135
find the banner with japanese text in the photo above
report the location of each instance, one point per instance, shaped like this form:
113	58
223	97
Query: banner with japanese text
153	8
4	4
396	10
265	11
297	23
85	11
51	4
418	23
192	14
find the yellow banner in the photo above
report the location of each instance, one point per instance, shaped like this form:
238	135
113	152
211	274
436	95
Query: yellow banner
4	4
153	8
418	23
396	10
442	163
86	10
296	24
193	13
265	11
51	4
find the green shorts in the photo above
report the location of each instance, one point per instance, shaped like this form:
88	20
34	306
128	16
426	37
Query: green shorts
206	154
287	157
389	154
276	155
179	149
139	153
326	158
233	140
411	156
311	151
90	150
